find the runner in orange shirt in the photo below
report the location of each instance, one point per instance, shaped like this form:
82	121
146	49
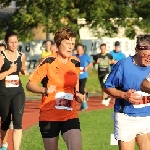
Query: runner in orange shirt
58	109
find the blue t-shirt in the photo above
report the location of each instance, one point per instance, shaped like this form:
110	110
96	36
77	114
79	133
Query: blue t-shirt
117	56
84	61
126	75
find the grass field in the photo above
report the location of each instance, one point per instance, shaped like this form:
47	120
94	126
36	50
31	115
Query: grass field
92	85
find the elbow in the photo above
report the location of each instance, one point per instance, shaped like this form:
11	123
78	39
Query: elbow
145	86
142	86
28	86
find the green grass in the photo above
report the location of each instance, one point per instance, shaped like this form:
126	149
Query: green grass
92	85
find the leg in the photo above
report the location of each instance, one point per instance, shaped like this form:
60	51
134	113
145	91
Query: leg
71	134
82	83
17	136
5	111
143	141
126	145
73	139
50	132
50	143
105	98
17	107
125	130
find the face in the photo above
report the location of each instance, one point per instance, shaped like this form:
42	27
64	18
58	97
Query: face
103	49
66	47
117	48
2	48
80	50
53	49
143	57
48	45
12	43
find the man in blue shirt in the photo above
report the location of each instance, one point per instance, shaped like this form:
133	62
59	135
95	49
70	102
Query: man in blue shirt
85	64
116	54
132	106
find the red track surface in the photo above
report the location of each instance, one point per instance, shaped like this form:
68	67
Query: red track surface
31	113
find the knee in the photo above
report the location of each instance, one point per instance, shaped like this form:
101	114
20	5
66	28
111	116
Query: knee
5	125
17	123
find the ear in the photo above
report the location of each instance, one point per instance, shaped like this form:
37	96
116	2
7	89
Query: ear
136	50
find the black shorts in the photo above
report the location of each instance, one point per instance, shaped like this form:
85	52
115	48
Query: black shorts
50	129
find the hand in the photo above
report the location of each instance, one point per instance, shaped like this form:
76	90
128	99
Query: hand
85	69
132	97
13	67
115	61
25	72
51	89
79	97
98	60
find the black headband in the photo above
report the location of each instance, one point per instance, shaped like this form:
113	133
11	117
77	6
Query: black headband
142	47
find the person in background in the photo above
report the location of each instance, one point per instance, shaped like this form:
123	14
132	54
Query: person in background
104	60
116	54
74	52
54	49
47	51
58	111
2	47
85	64
12	96
132	106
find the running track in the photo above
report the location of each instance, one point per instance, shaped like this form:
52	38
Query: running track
31	113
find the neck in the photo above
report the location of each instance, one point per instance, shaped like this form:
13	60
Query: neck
137	61
10	51
62	59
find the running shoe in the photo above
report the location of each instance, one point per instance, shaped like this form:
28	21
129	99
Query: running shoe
3	148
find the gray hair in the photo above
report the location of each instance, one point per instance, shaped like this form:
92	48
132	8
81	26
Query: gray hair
143	40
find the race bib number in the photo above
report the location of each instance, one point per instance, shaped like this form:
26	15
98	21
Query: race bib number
64	100
12	81
144	101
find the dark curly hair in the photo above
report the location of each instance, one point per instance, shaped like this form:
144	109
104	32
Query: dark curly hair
62	34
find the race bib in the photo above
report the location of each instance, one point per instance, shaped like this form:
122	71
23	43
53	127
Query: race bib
12	81
63	100
81	70
144	101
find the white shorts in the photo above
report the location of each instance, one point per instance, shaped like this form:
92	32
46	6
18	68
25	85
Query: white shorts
126	127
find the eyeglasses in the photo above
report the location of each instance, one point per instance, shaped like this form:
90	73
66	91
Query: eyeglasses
144	54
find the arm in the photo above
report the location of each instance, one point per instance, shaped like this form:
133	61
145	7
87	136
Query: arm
90	63
88	66
78	96
24	68
36	77
12	69
130	95
114	92
145	85
35	88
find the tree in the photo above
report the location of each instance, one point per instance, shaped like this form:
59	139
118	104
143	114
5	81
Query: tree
104	17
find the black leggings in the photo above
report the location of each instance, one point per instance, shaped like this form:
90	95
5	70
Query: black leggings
101	79
82	83
12	104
